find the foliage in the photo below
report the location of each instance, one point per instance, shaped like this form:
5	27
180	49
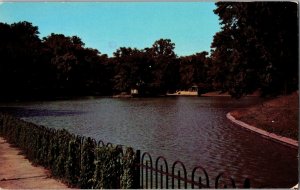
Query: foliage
165	66
19	48
257	47
107	175
194	70
128	162
57	65
87	163
130	70
75	69
78	161
153	71
73	161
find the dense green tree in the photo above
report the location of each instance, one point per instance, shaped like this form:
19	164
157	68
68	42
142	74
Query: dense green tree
78	70
166	67
63	60
152	71
125	66
98	73
58	65
257	47
133	70
6	52
194	70
20	52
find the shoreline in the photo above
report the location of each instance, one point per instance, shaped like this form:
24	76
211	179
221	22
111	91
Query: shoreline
272	136
188	94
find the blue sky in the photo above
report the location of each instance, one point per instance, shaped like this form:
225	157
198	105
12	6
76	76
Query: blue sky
107	26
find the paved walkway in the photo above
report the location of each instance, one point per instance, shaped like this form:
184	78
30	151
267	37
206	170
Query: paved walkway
16	172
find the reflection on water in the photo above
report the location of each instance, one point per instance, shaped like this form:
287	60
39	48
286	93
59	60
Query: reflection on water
191	129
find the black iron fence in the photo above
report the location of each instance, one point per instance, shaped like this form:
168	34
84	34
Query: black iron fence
160	175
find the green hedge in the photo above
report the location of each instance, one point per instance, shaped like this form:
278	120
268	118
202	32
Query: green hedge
78	161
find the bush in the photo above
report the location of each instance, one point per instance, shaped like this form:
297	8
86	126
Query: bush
108	168
74	159
72	166
87	164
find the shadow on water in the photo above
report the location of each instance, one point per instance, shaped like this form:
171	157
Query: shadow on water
30	112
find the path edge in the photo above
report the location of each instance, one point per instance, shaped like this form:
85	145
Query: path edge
263	133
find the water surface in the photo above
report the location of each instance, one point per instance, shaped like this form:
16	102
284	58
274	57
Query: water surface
194	130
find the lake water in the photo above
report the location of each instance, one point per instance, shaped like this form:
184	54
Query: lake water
194	130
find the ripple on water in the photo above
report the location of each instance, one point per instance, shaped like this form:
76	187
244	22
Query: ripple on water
191	129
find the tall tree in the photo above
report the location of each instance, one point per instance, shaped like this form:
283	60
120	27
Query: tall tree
124	66
152	71
78	70
166	67
133	70
257	47
19	66
193	70
63	60
58	65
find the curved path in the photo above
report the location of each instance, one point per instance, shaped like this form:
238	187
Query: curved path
16	172
272	136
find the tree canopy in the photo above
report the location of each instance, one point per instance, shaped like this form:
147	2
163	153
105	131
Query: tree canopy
256	49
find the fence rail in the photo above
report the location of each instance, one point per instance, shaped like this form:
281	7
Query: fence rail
157	175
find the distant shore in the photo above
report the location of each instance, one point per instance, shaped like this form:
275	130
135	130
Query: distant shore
216	93
208	94
226	94
191	93
183	93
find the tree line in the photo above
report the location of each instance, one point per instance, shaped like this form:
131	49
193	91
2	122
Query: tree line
60	65
256	49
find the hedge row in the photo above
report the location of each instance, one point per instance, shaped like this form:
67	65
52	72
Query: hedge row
78	161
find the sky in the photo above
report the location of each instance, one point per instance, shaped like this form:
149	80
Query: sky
108	26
